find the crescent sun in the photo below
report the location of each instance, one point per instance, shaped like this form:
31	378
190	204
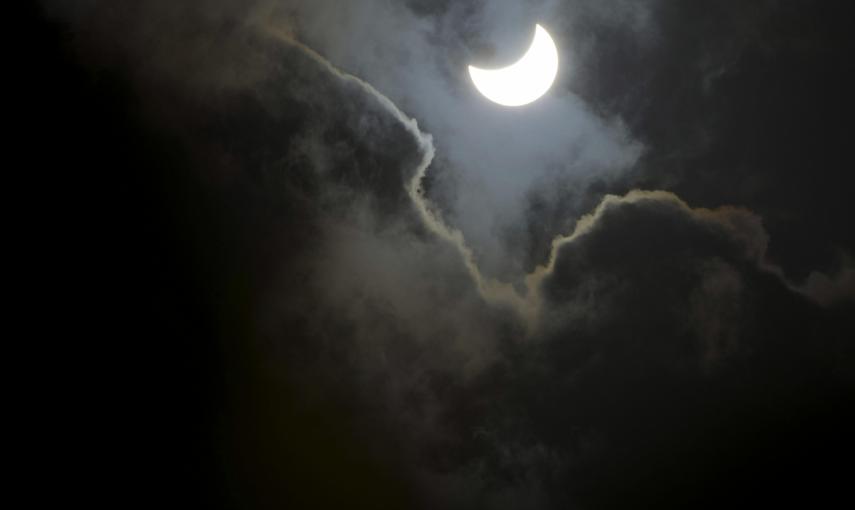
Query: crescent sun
524	81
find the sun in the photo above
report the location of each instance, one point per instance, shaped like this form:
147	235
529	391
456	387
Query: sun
524	81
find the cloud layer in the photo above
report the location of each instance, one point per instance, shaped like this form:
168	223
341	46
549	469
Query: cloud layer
489	315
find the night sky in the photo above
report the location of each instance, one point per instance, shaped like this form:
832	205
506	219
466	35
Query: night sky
295	260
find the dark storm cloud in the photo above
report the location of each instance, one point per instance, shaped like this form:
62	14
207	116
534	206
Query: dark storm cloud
657	356
666	363
742	225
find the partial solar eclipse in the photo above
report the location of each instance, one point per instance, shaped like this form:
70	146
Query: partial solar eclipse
524	81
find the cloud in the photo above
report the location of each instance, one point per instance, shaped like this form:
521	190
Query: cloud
656	318
829	290
492	159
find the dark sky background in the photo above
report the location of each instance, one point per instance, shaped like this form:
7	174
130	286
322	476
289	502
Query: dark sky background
637	292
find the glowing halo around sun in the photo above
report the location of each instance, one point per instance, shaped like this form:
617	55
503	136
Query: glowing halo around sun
524	81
